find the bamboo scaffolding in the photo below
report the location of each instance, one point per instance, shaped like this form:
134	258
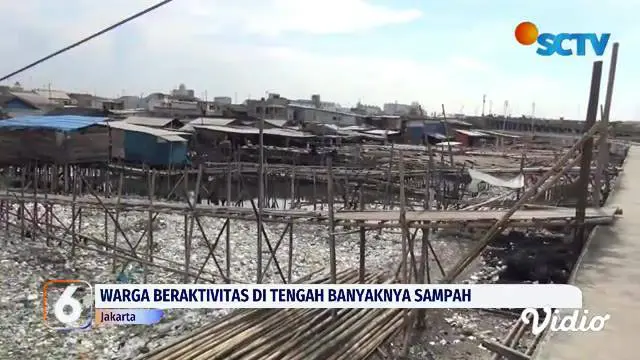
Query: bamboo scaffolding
300	334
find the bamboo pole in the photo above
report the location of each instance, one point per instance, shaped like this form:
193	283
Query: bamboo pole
8	206
35	201
332	237
363	240
74	184
260	195
587	152
152	188
47	208
187	239
292	206
406	248
117	218
423	275
446	130
603	148
227	236
192	215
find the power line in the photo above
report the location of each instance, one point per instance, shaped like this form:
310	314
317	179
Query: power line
91	37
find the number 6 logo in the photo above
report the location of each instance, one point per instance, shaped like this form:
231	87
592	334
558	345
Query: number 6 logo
67	310
67	300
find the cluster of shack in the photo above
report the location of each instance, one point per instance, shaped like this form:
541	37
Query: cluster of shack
170	142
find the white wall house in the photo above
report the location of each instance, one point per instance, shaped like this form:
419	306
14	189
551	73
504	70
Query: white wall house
56	96
132	102
308	115
274	107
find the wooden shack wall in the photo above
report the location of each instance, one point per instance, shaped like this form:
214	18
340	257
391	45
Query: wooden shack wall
23	146
117	144
51	146
10	147
87	145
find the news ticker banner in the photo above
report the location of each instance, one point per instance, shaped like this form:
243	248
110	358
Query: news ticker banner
76	304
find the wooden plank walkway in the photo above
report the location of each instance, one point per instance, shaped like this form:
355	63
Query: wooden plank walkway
609	276
460	216
310	170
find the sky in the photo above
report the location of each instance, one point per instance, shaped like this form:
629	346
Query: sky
434	52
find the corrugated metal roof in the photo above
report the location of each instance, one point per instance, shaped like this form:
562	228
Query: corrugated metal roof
211	121
458	122
501	134
381	132
60	122
288	133
129	111
471	133
206	121
227	129
276	122
254	131
355	128
52	94
415	123
148	121
309	107
379	117
167	135
450	143
32	98
173	138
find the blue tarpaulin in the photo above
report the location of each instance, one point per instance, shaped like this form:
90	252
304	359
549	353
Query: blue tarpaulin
61	122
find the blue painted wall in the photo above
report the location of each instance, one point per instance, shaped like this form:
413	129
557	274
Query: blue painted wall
145	148
415	133
434	128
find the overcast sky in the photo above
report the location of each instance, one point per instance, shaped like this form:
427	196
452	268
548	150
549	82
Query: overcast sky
433	52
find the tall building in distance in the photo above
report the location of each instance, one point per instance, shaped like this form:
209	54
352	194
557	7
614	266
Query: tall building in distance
223	100
396	109
183	93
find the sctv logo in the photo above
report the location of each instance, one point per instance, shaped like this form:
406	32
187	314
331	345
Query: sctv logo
563	44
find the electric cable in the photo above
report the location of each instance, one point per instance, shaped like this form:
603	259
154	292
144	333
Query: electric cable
95	35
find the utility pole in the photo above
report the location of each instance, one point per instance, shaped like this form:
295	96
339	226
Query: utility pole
506	108
533	119
533	109
484	100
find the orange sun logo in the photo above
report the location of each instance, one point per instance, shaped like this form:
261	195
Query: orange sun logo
526	33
